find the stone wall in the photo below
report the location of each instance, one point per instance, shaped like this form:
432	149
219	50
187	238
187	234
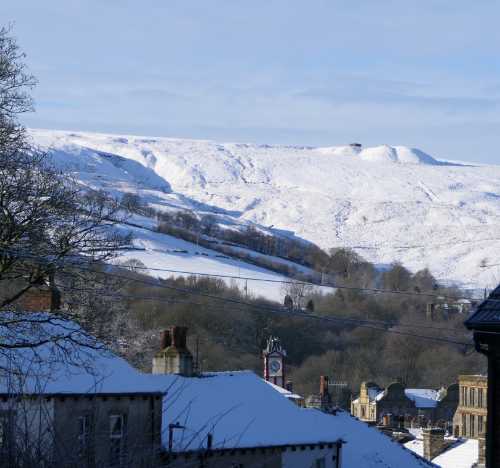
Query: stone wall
125	428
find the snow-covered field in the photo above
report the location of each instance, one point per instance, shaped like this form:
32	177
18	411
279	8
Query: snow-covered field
387	203
160	252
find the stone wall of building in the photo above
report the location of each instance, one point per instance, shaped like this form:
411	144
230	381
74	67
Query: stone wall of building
470	418
109	429
84	431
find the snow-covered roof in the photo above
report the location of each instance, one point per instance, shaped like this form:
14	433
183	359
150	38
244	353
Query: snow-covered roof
71	361
374	392
241	410
286	393
423	397
463	453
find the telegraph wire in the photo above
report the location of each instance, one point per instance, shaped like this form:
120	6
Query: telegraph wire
299	313
267	280
333	286
286	312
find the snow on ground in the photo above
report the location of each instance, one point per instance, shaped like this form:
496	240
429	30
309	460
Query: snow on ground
388	202
162	251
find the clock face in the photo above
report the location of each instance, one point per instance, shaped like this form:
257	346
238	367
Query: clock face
275	367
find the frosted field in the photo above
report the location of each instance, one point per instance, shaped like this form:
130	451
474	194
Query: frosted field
166	252
387	203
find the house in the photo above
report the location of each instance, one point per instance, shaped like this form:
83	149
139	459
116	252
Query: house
89	408
470	417
409	406
228	419
445	452
485	323
69	402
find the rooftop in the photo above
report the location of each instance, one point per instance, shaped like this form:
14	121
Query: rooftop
487	314
239	409
463	453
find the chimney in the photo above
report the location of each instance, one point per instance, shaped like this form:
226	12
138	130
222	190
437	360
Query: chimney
165	340
387	420
40	299
173	356
481	462
323	385
178	337
433	443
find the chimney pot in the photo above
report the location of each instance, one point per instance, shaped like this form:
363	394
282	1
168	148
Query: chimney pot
165	339
178	335
323	385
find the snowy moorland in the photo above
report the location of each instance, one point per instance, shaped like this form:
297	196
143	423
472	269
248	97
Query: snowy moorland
387	203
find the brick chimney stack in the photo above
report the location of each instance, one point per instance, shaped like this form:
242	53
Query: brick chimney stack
40	299
173	356
433	443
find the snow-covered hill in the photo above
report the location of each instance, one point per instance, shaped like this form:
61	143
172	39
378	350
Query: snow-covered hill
387	203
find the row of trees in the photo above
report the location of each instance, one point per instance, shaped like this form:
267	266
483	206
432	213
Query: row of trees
231	336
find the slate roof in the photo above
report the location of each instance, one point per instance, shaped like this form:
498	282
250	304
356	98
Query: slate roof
239	409
487	315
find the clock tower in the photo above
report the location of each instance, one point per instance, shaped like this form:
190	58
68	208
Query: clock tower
274	362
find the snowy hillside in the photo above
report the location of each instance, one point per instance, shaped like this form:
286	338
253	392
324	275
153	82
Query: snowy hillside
387	203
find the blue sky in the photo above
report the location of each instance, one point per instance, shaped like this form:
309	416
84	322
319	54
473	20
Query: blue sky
318	72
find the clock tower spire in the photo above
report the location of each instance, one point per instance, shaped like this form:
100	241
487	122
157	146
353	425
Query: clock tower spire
274	362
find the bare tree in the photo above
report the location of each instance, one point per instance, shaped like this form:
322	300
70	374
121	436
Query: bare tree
298	293
47	221
15	99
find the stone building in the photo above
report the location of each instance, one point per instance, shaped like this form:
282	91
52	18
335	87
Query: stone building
470	417
485	323
238	419
81	429
81	407
408	406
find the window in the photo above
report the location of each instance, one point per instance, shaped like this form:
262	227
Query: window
84	423
472	425
480	425
464	425
480	395
117	432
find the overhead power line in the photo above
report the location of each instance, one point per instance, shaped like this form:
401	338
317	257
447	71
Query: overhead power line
298	282
268	280
375	325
